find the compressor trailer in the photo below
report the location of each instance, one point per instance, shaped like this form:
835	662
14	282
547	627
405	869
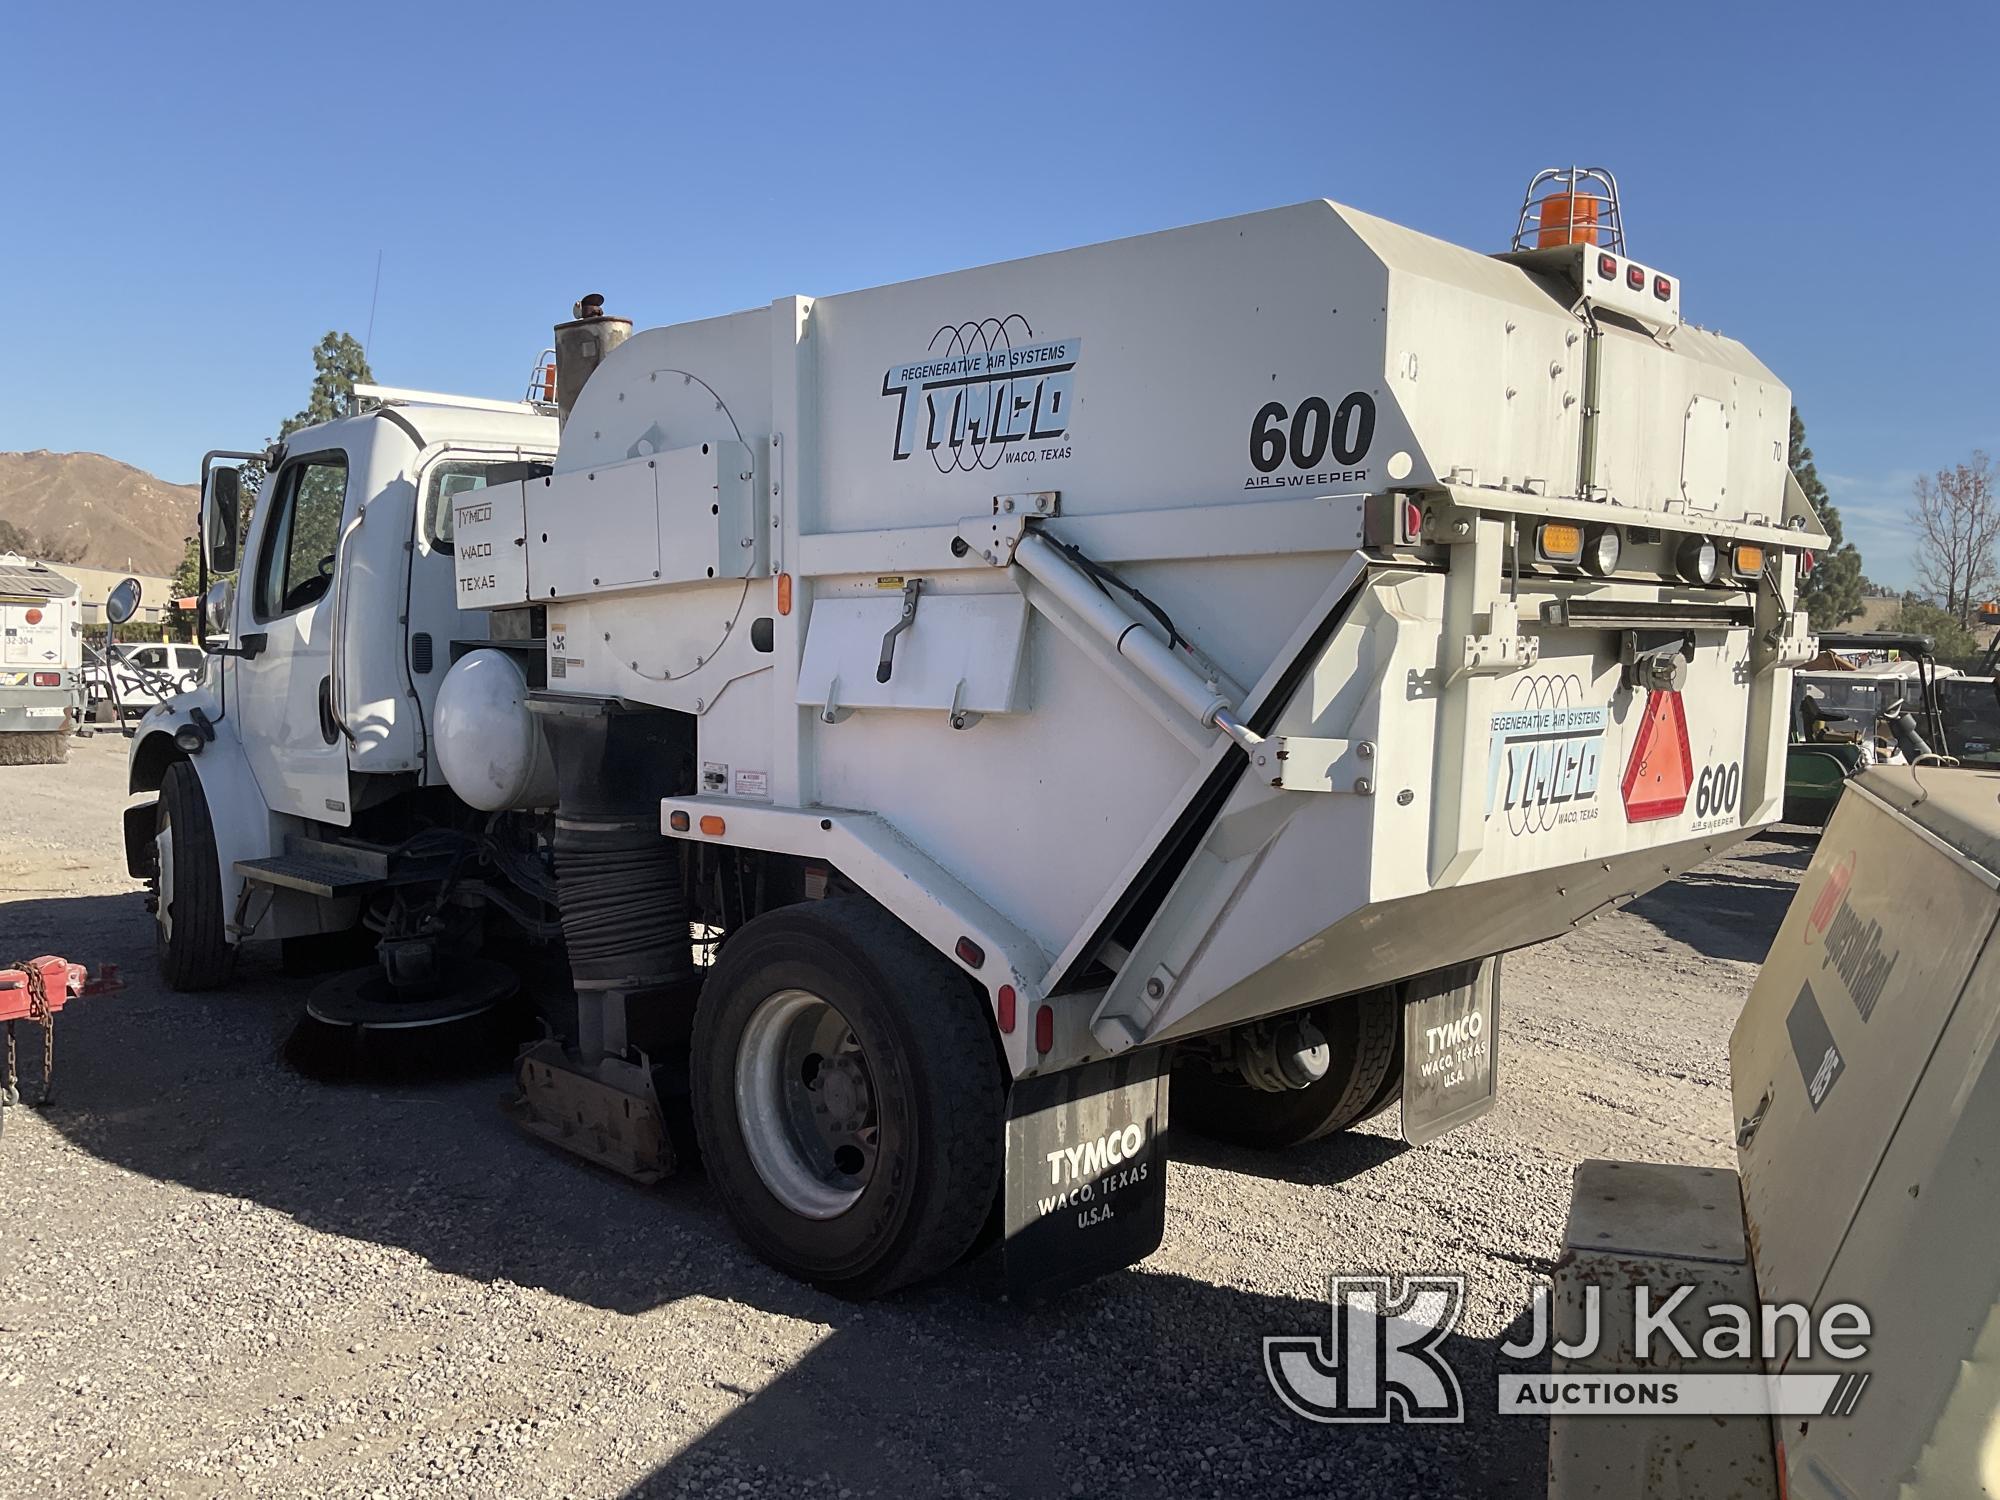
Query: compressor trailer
930	717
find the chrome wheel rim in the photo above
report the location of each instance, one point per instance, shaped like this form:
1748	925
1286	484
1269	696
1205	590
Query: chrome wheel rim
163	881
806	1102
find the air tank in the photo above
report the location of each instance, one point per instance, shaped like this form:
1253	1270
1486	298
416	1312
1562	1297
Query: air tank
489	745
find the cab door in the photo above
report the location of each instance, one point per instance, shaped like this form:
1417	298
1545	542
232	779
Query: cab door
289	733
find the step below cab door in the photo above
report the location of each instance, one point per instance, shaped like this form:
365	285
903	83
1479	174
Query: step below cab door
294	746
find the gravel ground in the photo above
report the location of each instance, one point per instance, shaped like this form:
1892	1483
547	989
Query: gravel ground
223	1279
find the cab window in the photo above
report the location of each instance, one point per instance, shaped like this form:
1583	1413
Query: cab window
296	565
455	478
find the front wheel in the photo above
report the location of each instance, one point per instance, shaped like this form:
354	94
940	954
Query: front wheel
187	886
1361	1081
848	1097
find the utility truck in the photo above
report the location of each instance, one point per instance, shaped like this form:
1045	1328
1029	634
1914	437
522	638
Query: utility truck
41	661
932	718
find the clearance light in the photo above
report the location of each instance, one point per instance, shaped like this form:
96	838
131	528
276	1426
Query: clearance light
970	953
784	593
33	617
712	825
678	821
1007	1000
1749	560
1045	1029
1697	560
1806	562
1600	551
1559	542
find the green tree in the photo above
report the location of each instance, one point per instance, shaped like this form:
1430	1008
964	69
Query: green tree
1831	593
338	366
1919	617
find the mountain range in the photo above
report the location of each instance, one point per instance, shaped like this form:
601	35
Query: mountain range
96	511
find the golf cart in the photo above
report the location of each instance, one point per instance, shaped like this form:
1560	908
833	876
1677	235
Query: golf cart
1846	717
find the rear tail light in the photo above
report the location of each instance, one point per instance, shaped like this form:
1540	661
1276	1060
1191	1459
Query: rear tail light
1806	562
34	617
1635	278
1392	520
1607	267
1559	542
1748	560
48	679
1045	1029
1663	289
1008	1000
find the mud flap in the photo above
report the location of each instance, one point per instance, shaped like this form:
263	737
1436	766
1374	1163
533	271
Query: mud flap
1086	1172
1451	1046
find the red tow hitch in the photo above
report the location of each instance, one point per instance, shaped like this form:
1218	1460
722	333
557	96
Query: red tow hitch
35	991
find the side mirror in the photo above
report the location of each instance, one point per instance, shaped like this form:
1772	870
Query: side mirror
215	608
122	602
221	504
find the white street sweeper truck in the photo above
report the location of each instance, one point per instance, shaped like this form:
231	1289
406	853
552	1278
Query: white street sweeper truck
41	661
931	718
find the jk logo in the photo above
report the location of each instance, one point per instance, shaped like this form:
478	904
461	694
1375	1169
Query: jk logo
1380	1361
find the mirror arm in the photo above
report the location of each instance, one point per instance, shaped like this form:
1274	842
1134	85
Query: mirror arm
252	647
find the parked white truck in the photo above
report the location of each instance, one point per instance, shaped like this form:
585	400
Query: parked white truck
929	716
41	661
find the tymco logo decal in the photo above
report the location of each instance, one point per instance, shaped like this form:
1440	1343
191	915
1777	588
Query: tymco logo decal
1546	754
987	392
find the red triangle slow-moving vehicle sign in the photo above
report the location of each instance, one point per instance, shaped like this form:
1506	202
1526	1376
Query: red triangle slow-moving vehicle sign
1661	770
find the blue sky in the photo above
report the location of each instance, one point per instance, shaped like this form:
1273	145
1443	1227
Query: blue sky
194	193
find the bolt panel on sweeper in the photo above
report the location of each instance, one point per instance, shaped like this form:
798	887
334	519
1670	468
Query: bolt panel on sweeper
932	718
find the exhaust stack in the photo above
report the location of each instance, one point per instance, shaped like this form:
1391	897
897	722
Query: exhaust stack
581	345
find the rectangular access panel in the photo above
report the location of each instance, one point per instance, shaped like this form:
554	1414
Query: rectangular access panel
686	515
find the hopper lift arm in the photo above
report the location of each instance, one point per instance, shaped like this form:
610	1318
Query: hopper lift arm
1004	539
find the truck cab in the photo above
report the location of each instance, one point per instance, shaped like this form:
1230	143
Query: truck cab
332	636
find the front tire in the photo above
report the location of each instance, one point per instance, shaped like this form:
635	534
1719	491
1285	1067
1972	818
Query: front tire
1361	1081
848	1098
189	935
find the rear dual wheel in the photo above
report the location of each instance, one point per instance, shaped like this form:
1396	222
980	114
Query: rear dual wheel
847	1097
1362	1079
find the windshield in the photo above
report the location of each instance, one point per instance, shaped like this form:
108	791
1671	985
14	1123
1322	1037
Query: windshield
1856	697
454	477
